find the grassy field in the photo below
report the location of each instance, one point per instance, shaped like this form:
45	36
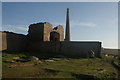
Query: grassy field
117	62
51	67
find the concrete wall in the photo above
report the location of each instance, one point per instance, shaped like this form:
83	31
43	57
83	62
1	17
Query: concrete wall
13	42
82	49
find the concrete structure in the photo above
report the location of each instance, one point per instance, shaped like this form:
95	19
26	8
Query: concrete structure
43	38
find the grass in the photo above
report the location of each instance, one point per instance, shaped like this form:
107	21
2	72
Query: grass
117	62
77	68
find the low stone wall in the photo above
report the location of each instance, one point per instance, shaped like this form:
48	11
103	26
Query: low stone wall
18	42
3	44
72	48
13	42
85	49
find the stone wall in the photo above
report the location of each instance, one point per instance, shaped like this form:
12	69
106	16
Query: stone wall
3	41
82	49
60	30
13	42
47	30
41	32
18	42
35	32
38	39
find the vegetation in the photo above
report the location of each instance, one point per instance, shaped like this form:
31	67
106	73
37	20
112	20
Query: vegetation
117	62
20	66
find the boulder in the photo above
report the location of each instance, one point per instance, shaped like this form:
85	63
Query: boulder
49	60
33	58
39	62
16	58
56	59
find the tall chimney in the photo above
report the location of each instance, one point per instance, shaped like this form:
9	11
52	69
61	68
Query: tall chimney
67	34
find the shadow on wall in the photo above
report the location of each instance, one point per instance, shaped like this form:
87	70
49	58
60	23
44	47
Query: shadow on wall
13	42
72	48
18	42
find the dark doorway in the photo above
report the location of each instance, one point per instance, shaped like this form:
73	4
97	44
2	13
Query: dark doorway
54	36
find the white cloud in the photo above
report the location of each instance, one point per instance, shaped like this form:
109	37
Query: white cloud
15	28
57	23
87	24
22	28
76	24
83	24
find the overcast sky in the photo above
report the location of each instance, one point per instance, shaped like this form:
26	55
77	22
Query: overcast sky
89	21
